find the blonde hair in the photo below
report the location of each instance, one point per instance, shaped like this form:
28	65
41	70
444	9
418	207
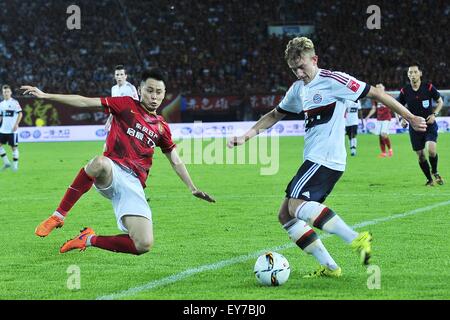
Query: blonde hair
297	47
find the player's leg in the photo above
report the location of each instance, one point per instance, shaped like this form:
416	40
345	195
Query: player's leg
418	141
352	132
98	169
306	197
3	155
431	138
425	167
385	136
139	239
15	151
433	158
381	139
133	217
307	240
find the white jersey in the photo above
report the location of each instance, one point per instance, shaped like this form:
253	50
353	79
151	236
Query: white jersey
9	111
323	102
351	118
127	89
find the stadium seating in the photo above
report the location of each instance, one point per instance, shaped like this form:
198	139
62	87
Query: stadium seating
214	47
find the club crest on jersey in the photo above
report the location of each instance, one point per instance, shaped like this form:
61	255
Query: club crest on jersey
353	85
317	98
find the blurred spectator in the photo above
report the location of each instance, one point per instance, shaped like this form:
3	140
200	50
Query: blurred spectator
215	47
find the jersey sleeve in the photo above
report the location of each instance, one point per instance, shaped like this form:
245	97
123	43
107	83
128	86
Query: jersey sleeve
134	93
347	87
434	92
401	96
18	107
291	101
166	143
115	105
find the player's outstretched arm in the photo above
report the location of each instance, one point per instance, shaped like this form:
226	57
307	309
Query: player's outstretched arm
266	121
69	99
418	123
179	167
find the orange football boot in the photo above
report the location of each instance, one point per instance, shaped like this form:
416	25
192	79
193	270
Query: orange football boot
79	242
46	226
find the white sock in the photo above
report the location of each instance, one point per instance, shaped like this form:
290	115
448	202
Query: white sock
338	227
305	238
325	219
88	241
59	215
353	143
4	156
318	250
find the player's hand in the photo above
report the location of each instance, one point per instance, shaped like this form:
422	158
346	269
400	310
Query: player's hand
418	124
404	123
202	195
235	141
33	91
15	128
431	119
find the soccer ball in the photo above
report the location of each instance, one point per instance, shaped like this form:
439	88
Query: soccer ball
272	269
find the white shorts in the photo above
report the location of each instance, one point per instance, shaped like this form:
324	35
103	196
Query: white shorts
126	194
383	127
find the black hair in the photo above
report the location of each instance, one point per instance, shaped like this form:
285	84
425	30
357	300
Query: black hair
415	64
120	67
6	86
154	73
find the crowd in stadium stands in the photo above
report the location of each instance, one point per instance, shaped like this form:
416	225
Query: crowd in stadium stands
215	47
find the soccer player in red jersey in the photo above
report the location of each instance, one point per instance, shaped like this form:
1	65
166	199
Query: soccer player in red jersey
121	172
384	119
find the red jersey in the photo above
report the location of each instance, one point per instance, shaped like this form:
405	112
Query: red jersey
383	112
134	135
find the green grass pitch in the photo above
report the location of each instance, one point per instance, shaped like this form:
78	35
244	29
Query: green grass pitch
412	252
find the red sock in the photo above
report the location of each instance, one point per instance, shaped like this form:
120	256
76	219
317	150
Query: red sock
119	243
382	146
387	141
79	186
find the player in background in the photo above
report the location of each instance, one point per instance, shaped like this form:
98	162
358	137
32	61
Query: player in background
417	97
351	123
384	117
10	117
120	174
122	89
320	94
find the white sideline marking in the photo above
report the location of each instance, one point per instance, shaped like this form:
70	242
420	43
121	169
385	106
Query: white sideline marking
224	263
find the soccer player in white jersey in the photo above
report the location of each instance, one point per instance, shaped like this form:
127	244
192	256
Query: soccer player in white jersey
320	94
122	89
10	116
351	123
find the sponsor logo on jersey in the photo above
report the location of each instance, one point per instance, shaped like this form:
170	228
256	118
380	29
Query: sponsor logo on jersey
353	85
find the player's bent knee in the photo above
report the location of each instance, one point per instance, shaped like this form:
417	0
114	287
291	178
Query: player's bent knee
284	216
293	205
97	165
